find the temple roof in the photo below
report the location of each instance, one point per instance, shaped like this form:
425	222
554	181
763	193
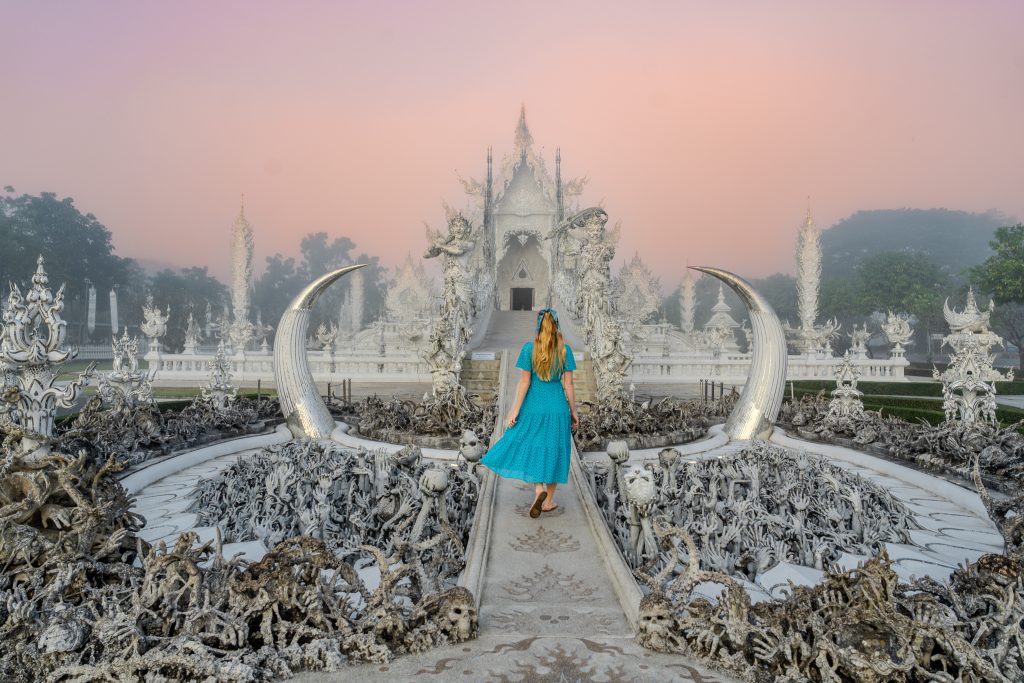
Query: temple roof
524	185
720	313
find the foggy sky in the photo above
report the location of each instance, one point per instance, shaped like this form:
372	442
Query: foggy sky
703	128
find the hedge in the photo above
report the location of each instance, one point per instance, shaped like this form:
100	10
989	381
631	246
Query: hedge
910	409
899	388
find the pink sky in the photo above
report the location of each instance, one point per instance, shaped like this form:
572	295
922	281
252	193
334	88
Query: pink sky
703	126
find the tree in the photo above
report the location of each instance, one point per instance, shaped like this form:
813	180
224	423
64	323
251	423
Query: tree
780	291
186	291
283	279
1001	276
953	240
276	287
904	282
76	247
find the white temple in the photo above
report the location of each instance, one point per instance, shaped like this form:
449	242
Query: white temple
520	208
514	248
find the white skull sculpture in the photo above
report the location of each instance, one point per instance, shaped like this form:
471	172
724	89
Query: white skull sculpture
470	446
658	624
434	481
640	489
458	614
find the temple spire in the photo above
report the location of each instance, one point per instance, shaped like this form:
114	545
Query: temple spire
559	194
808	271
523	138
489	235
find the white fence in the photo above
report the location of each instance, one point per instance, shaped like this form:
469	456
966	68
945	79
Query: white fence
693	367
175	369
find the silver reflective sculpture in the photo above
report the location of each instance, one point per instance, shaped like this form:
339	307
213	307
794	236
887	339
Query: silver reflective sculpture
304	410
755	412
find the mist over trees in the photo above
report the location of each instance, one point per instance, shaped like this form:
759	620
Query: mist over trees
952	240
78	250
1001	276
906	261
284	277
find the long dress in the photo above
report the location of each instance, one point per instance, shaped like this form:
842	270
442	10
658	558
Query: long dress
536	448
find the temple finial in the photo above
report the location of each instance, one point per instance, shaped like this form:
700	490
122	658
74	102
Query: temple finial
523	138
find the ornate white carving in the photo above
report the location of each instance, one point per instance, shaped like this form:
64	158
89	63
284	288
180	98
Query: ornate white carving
720	329
409	299
968	384
809	337
218	390
637	294
859	342
808	264
845	403
453	329
192	335
32	347
602	332
898	331
154	324
326	337
126	383
241	330
971	319
687	301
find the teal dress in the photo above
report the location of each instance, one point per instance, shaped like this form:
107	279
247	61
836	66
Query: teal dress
536	448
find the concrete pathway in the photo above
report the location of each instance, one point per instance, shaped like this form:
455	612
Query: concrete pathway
548	609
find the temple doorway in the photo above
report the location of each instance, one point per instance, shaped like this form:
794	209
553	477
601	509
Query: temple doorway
522	299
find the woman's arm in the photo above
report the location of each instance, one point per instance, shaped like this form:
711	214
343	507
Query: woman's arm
570	396
524	384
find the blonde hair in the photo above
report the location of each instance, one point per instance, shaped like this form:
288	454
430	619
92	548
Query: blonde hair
548	349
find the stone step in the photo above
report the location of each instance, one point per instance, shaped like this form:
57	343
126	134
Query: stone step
490	375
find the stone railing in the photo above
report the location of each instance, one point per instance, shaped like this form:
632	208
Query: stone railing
694	366
180	368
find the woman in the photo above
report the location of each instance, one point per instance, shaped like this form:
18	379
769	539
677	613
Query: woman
537	441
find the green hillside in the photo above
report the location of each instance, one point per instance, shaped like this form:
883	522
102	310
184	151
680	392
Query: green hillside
954	240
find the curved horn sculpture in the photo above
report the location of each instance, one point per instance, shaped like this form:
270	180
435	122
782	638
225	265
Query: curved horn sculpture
758	407
304	410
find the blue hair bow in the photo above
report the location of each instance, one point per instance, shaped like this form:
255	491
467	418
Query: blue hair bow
540	316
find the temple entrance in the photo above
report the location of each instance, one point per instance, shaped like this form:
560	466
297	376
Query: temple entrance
522	299
522	272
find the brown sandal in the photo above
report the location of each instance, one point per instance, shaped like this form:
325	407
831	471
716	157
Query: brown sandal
535	508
